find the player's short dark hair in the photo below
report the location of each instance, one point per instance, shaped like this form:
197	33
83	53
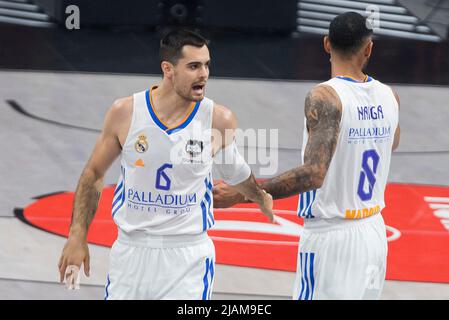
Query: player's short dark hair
172	43
347	32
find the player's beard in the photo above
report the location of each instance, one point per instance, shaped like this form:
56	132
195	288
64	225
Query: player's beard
185	92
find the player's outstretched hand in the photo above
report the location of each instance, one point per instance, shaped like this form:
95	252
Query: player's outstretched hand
225	196
266	205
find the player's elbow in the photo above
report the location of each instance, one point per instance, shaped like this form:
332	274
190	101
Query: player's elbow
317	182
317	177
395	144
397	137
92	175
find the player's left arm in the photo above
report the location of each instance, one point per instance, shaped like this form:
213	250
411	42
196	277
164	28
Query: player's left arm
231	165
397	133
323	114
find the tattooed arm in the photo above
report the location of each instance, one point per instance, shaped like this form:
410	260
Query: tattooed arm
323	115
106	150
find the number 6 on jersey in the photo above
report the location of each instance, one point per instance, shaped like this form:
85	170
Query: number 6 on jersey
161	174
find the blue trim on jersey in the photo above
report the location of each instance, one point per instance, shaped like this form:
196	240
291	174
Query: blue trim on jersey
118	198
163	126
209	211
312	277
121	196
307	261
151	111
306	279
211	277
302	275
208	183
353	80
206	281
309	209
208	216
122	201
306	200
118	188
205	221
188	120
107	286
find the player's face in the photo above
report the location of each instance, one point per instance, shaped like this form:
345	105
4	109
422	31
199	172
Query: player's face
191	73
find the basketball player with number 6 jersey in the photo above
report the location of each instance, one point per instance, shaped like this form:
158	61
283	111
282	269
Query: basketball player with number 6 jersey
168	136
351	128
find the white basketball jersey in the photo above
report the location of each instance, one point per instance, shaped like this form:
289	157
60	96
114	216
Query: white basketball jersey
355	181
165	185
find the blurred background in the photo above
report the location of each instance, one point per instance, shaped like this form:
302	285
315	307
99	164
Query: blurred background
63	63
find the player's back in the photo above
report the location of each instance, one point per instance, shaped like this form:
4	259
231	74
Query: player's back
355	182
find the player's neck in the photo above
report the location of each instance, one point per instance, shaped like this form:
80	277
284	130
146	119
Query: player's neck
348	69
169	107
167	101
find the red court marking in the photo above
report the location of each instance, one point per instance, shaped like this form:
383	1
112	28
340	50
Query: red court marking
418	238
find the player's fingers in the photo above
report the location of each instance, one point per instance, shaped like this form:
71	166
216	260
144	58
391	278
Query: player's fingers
216	189
68	278
220	187
62	269
217	182
270	215
71	277
60	261
87	266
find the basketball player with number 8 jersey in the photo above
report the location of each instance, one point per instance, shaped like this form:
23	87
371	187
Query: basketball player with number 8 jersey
351	128
343	247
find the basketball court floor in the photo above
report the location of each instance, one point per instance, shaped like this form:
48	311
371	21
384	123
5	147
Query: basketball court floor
49	123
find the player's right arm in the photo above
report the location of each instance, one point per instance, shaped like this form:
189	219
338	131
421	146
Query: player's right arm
323	114
107	149
397	132
231	165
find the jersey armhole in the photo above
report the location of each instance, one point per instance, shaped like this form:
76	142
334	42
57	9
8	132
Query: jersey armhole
132	121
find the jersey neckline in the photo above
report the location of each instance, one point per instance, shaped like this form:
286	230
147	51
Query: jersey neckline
347	78
169	130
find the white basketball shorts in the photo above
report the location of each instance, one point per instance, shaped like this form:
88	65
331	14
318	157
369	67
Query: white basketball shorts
154	268
345	260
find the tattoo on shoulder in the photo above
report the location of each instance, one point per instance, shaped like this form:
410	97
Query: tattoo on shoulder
322	108
323	114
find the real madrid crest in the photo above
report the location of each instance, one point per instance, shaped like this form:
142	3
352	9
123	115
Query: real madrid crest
141	144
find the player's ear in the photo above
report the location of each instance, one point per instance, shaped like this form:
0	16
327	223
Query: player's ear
167	69
368	49
327	44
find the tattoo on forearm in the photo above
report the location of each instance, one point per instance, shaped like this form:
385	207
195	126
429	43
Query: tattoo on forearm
289	183
323	114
